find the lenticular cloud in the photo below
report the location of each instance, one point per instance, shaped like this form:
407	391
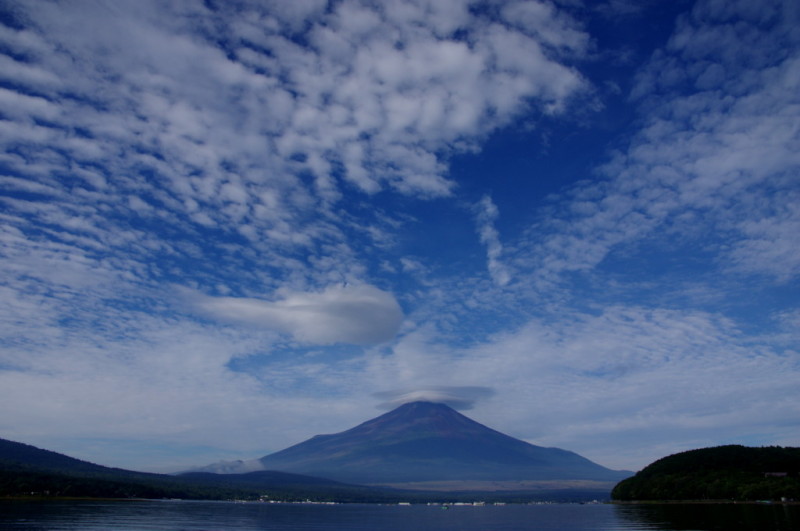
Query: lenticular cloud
457	397
360	315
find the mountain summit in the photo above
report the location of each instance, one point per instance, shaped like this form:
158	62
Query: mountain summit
429	442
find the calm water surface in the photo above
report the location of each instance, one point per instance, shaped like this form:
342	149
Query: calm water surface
182	515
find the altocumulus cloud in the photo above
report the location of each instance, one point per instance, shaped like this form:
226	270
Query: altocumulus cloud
360	315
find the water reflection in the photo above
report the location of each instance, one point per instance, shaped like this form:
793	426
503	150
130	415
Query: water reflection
98	515
710	517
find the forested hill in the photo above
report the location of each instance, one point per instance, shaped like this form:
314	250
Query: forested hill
29	471
15	454
731	472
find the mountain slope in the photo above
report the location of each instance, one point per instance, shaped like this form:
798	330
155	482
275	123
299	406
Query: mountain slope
28	470
423	441
16	455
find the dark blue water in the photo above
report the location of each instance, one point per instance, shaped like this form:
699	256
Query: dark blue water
179	515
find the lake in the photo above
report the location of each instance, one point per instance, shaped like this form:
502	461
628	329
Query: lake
193	515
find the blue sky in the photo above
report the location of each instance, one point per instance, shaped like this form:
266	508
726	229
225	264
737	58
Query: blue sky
230	226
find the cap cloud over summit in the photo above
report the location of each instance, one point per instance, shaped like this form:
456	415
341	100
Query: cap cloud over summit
457	397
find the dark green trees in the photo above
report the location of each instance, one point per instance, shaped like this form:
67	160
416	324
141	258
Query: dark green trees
721	473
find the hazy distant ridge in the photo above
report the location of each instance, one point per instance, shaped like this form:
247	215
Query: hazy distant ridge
26	470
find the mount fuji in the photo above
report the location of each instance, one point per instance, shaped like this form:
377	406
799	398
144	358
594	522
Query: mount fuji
422	443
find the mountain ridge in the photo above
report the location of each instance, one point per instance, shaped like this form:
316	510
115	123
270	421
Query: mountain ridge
27	470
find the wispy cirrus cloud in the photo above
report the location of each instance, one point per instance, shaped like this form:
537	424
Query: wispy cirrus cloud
486	213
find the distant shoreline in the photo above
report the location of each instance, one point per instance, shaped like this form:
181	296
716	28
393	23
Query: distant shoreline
704	502
605	502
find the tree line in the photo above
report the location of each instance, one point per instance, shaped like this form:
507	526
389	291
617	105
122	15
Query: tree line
731	472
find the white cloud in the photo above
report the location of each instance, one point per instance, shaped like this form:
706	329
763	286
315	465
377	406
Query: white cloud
385	91
360	315
769	244
549	25
168	382
486	213
714	155
623	386
249	134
